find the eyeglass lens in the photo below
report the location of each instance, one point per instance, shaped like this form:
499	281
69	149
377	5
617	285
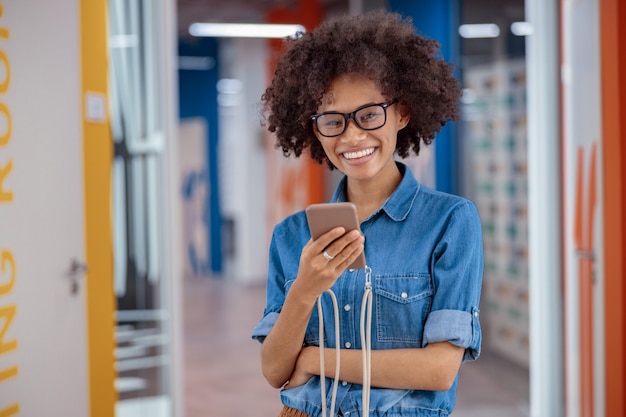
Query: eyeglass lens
368	118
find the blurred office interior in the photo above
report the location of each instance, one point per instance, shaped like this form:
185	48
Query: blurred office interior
177	187
483	157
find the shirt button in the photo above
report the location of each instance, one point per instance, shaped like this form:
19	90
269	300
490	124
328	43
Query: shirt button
348	345
475	313
351	270
344	383
347	307
404	295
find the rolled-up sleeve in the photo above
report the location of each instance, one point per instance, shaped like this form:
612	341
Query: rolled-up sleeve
275	293
262	329
457	269
457	327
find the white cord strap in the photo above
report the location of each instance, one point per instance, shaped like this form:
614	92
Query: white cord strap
366	340
337	353
366	343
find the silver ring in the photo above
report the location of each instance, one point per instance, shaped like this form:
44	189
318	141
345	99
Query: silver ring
327	256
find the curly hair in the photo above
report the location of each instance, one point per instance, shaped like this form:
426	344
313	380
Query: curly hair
379	45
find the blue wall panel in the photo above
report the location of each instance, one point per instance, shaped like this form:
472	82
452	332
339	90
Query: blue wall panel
198	98
439	20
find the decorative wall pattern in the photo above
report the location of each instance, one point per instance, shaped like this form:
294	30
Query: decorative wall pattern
495	134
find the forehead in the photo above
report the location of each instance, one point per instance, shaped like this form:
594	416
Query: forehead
347	92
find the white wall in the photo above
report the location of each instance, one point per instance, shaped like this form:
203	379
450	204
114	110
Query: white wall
43	346
583	239
544	219
241	157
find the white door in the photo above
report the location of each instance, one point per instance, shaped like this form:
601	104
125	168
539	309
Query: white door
43	345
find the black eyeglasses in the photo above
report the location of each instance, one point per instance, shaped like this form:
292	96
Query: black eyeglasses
367	117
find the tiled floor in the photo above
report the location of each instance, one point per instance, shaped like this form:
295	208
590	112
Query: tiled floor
222	371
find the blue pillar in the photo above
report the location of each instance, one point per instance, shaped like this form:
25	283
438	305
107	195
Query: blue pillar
198	98
439	20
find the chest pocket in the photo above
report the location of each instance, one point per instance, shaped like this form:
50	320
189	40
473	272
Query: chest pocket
402	304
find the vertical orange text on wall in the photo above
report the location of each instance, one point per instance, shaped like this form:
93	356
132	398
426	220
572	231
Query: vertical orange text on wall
8	273
5	117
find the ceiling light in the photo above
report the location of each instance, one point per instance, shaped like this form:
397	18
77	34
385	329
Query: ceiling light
244	30
521	28
482	30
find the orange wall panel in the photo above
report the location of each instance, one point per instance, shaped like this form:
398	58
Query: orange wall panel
613	55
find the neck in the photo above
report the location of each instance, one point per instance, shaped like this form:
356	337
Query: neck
369	195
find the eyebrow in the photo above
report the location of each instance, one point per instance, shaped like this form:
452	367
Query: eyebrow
371	103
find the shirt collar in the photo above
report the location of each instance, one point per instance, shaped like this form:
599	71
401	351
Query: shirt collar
399	203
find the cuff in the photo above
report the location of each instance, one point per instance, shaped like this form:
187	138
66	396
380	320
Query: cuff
262	329
457	327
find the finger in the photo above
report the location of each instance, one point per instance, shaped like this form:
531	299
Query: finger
345	249
353	253
327	238
340	244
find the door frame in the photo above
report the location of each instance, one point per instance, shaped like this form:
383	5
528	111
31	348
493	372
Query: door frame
97	158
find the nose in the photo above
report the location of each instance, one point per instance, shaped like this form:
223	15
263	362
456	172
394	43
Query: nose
353	133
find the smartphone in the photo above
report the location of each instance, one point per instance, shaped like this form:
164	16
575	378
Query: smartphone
324	217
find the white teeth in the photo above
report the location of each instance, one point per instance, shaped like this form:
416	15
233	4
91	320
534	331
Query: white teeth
358	154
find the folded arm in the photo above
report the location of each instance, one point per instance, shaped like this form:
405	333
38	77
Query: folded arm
433	367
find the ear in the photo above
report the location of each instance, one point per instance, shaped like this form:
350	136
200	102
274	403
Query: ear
316	133
404	115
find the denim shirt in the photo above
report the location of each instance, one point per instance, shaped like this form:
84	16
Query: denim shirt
425	252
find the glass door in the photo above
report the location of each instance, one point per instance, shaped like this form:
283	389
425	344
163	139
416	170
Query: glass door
143	349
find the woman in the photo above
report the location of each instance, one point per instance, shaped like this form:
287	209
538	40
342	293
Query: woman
355	93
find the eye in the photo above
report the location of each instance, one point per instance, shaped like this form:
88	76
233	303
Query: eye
333	123
330	121
370	114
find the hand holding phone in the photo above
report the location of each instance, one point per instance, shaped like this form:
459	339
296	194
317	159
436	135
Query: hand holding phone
324	217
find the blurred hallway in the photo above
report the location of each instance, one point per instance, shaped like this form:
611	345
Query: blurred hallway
222	365
223	376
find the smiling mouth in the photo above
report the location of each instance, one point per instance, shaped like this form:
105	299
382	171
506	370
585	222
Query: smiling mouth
358	154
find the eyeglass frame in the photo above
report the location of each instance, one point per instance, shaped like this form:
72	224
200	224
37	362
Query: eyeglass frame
352	115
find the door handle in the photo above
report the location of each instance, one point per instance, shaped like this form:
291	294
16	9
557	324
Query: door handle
76	271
